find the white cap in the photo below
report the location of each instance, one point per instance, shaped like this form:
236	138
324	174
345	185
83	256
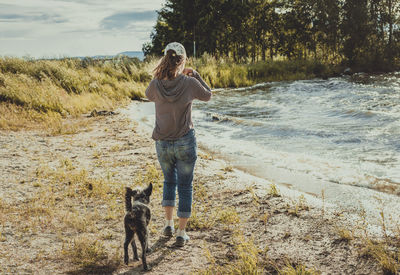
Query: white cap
177	47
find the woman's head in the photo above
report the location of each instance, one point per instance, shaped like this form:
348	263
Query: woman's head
172	63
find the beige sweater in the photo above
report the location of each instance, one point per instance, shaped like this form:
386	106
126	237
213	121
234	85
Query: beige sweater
173	102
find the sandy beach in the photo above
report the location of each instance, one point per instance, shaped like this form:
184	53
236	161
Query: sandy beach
62	212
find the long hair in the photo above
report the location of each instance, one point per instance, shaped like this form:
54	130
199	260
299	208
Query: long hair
169	65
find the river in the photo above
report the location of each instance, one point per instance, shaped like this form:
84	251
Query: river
338	137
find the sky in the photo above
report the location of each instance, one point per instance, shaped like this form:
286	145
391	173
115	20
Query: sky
60	28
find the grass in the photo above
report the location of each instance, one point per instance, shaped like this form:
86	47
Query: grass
245	258
228	169
204	215
2	238
82	212
65	199
387	257
246	255
39	94
386	252
273	191
297	206
383	249
224	73
43	92
297	269
228	216
345	234
85	252
264	219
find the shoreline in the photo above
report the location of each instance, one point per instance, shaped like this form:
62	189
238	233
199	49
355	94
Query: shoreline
71	190
344	198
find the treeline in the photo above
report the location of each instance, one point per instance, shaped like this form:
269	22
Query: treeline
359	33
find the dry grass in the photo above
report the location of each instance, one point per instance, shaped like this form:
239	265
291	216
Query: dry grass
385	251
345	234
40	93
297	206
82	212
273	191
228	216
244	258
224	72
76	206
85	252
297	269
387	257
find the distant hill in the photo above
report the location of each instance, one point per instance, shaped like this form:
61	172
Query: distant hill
138	54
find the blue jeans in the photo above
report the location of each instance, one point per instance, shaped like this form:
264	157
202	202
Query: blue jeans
177	159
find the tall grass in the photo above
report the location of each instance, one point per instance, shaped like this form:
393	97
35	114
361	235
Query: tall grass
43	90
224	72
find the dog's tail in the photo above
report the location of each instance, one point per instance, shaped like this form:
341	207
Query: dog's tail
128	201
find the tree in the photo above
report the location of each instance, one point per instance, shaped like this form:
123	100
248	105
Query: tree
356	32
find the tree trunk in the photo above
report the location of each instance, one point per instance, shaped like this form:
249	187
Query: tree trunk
263	49
390	7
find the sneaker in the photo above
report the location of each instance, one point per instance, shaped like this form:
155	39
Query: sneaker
182	240
168	231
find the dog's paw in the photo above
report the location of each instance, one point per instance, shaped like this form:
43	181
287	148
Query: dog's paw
126	261
136	258
148	250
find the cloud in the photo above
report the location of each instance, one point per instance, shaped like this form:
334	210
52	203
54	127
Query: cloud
91	2
127	20
13	34
75	27
43	17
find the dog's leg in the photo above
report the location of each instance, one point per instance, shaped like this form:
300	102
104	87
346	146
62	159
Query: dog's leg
128	238
143	236
148	217
148	250
134	249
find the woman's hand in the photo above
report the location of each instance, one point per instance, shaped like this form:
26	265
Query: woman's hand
188	71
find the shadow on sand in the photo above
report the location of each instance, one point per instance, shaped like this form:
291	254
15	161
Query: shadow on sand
160	244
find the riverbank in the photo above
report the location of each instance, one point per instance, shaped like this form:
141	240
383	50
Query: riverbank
62	210
225	73
39	94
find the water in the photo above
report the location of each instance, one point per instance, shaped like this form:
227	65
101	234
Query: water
340	130
338	136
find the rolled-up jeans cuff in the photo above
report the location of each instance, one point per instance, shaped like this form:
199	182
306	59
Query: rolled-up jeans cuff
183	214
168	203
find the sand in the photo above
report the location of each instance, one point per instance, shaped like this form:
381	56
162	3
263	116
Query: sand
231	207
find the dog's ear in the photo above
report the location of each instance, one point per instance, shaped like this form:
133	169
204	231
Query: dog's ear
148	190
130	192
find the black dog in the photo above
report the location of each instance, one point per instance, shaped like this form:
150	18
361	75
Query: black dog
136	221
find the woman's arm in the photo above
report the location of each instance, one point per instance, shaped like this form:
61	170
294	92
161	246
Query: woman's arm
202	82
199	87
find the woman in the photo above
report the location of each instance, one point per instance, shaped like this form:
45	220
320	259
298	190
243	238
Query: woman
173	90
